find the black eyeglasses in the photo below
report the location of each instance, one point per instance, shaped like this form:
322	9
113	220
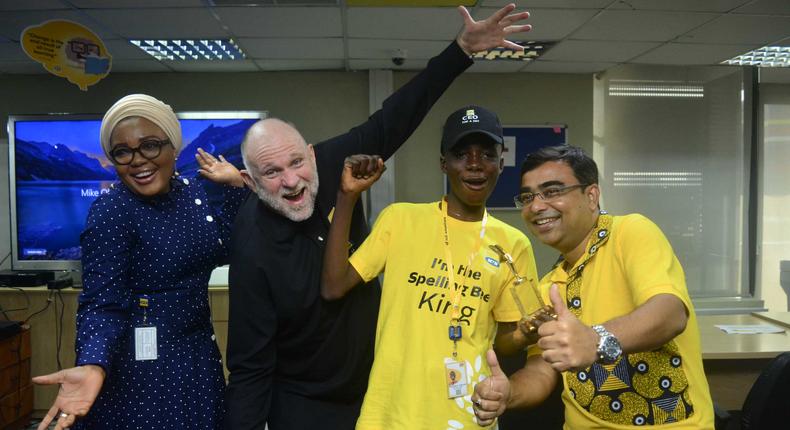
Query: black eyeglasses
551	193
149	149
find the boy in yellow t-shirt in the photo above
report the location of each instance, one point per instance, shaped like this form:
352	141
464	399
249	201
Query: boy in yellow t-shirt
445	296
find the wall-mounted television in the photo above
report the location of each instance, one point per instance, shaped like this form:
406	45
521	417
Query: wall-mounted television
57	169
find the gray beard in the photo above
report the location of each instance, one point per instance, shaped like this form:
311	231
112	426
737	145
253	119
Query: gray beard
296	214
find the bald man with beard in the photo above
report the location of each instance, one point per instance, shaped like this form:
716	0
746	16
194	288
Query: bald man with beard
297	361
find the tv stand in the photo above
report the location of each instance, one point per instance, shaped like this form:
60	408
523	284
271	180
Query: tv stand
16	390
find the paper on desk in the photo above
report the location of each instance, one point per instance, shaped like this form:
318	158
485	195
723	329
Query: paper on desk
749	328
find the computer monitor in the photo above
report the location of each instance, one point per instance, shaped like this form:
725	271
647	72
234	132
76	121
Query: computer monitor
57	169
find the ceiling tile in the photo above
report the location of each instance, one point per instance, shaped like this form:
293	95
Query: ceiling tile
560	4
549	24
12	51
138	66
121	4
543	66
410	64
297	2
641	25
164	23
308	34
680	5
692	54
384	49
766	7
123	50
213	66
740	29
282	22
322	48
404	23
250	3
496	66
280	65
31	4
23	67
596	51
12	24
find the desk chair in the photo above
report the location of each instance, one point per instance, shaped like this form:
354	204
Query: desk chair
767	406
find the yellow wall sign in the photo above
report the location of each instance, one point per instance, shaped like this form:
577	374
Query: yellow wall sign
68	50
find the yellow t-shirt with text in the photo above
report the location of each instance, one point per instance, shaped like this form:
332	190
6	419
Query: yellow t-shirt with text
407	388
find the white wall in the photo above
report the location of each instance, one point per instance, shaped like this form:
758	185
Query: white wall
324	104
774	210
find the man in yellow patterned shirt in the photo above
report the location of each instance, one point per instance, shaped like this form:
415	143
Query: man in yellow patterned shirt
445	296
626	343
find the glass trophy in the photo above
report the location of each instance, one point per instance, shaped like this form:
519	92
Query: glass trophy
530	320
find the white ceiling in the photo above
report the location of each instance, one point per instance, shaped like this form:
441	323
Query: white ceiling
589	35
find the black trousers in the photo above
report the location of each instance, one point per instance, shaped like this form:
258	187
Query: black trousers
294	412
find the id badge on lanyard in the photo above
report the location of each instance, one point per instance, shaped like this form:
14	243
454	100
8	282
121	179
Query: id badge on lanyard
455	370
145	336
456	379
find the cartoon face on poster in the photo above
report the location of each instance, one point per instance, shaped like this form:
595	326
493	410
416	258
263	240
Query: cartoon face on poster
69	50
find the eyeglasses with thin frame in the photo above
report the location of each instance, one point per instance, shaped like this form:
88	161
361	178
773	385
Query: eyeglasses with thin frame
549	194
148	149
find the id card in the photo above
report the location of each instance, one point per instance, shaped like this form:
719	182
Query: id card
145	343
455	374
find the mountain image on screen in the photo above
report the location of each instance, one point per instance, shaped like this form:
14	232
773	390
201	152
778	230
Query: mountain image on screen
47	161
216	140
56	183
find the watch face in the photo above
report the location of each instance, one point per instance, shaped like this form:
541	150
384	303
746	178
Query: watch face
610	349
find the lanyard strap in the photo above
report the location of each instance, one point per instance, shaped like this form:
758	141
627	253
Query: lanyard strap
456	290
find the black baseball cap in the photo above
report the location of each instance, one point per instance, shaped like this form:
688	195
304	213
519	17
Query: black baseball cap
469	120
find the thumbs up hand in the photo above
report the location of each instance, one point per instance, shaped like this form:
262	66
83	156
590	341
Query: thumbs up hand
567	343
491	394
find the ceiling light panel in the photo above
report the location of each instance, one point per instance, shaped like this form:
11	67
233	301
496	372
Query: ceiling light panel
657	179
767	56
532	50
191	49
651	88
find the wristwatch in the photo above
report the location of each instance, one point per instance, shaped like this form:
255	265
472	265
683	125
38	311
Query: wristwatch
609	349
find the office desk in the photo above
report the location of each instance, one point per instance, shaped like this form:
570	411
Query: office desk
45	330
734	361
777	318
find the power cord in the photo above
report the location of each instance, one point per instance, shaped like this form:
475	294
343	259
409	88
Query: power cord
59	327
5	258
49	302
27	302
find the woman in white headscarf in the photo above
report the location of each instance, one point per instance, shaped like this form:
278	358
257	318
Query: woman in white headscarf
146	351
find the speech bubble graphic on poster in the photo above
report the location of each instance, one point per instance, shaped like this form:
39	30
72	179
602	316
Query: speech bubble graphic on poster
69	50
